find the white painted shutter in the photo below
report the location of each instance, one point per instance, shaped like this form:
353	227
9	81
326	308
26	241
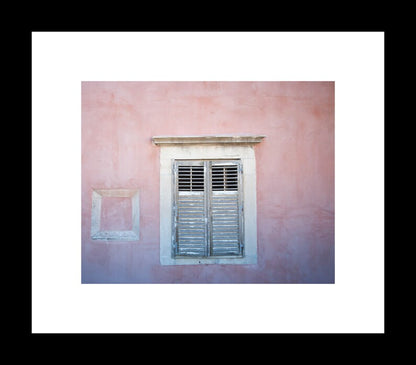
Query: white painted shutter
225	209
190	210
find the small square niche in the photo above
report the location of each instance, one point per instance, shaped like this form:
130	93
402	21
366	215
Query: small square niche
115	215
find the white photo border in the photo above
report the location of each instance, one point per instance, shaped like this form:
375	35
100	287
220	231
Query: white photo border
62	60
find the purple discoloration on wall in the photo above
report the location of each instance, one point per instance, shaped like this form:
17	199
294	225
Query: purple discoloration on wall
295	174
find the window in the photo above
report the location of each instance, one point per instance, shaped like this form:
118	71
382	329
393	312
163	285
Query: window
207	209
208	212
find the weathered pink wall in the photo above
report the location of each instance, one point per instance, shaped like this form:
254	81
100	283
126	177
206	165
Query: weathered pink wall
295	174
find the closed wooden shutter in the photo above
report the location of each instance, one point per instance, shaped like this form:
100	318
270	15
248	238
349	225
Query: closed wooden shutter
225	209
190	210
207	209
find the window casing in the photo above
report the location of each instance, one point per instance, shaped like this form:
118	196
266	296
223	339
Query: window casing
208	148
207	209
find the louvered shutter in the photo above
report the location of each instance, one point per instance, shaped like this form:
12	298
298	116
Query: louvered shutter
225	209
190	210
207	209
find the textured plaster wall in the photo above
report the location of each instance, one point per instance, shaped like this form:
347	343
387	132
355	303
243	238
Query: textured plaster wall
295	174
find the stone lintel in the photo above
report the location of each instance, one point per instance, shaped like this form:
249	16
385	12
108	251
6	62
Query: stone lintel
204	139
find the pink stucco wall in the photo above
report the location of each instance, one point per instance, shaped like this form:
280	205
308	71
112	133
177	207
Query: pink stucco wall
295	174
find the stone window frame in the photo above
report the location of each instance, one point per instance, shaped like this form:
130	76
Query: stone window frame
208	148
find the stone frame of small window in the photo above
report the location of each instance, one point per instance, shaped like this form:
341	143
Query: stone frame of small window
121	235
208	148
